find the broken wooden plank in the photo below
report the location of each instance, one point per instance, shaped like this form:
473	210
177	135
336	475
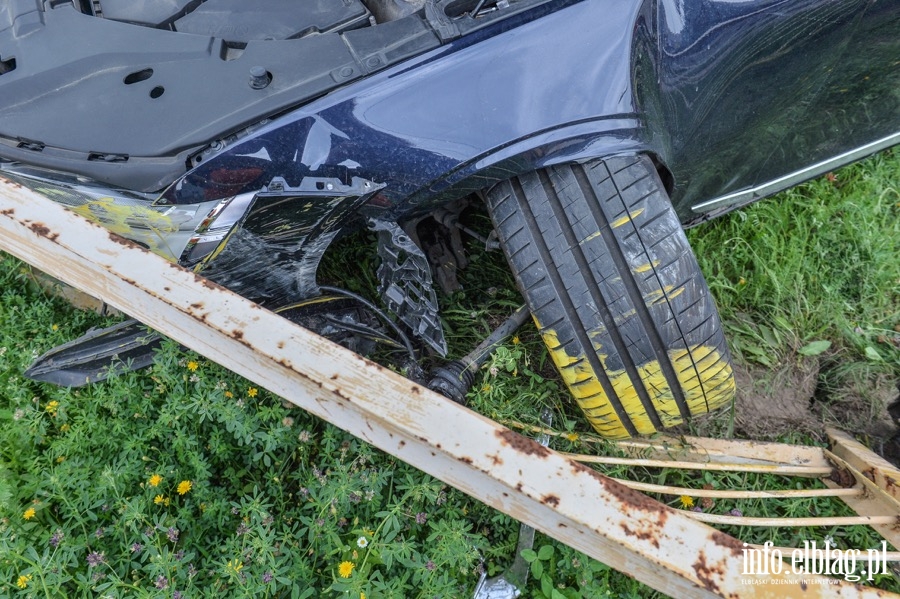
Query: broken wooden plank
566	500
718	466
866	469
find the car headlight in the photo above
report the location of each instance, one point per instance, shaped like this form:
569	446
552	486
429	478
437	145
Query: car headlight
182	233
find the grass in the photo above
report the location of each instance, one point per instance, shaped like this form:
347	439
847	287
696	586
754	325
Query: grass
281	504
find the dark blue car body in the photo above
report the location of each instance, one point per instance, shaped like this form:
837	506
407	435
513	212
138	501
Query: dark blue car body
392	118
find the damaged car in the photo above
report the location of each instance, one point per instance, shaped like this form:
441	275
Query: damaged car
240	139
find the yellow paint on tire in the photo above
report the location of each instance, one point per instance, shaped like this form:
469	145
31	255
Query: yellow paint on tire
712	388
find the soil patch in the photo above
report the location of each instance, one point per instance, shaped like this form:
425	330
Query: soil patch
776	403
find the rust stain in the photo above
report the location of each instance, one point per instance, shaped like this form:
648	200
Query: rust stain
519	487
551	500
206	282
842	477
237	334
402	443
197	305
7	212
126	242
708	574
43	231
280	344
870	474
649	534
334	377
465	460
729	542
496	460
624	494
167	289
415	389
522	444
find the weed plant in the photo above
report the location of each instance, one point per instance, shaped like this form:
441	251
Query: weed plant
185	480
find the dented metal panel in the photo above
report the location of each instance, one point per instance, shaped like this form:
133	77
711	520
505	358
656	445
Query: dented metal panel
621	527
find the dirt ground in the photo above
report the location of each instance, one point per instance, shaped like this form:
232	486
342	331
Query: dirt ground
797	402
804	398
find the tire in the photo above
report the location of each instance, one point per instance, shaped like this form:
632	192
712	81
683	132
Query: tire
616	293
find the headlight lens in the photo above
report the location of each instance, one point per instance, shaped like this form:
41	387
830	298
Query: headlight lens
181	233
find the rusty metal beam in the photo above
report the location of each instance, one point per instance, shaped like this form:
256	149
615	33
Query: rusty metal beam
568	501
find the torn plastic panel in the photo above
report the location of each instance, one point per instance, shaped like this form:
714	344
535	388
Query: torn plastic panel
405	284
272	254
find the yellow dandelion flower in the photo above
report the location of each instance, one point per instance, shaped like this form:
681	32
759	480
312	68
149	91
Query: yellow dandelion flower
345	569
61	459
155	480
55	327
184	486
65	428
192	366
159	499
235	565
742	281
686	501
252	391
23	581
229	394
486	389
52	407
29	513
572	437
515	340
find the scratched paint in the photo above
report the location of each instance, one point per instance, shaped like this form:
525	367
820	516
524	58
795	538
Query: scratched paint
705	378
627	218
138	223
647	267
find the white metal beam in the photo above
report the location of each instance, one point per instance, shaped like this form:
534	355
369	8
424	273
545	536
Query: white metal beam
568	501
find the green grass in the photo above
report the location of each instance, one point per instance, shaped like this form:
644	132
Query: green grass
279	499
816	263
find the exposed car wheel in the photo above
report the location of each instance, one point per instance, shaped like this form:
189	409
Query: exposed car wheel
616	293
